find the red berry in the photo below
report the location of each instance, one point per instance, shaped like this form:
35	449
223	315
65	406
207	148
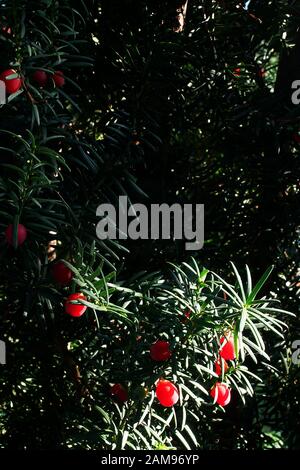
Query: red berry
61	273
6	30
12	85
221	393
227	351
186	316
167	393
40	77
21	234
218	366
75	310
58	79
160	351
262	73
296	137
119	392
237	72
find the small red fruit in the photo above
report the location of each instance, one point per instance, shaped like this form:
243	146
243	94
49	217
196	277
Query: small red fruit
59	79
61	273
160	351
221	393
6	30
218	366
186	316
227	351
40	77
237	72
75	310
119	392
296	137
262	73
167	393
21	234
12	85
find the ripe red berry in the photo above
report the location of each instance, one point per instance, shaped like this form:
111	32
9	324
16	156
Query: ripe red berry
186	316
262	73
160	351
59	79
167	393
61	273
237	72
296	137
119	392
40	77
6	30
75	310
12	85
218	366
221	393
21	234
227	351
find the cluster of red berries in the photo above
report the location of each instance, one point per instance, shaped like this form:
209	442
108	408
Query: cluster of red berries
166	392
238	71
63	276
6	30
42	78
60	272
220	392
13	82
